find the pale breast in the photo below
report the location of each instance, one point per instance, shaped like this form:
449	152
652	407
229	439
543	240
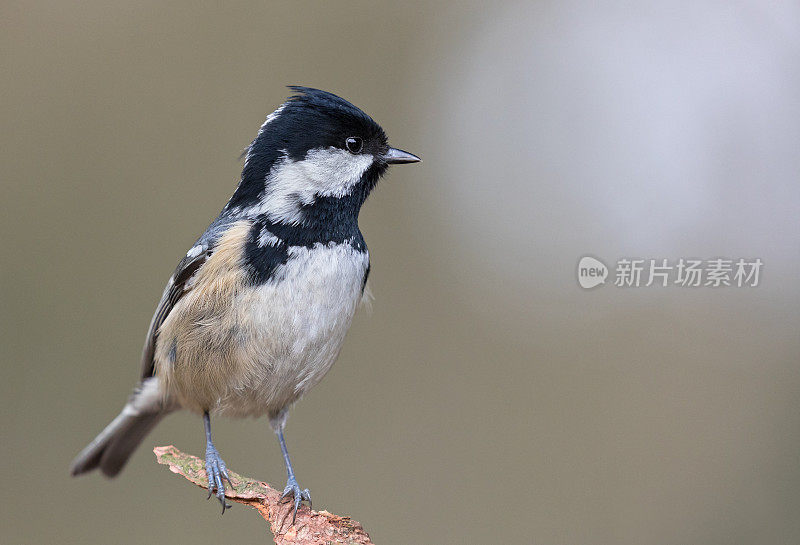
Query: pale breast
233	347
291	328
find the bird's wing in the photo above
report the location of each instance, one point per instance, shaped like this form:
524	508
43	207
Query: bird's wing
177	287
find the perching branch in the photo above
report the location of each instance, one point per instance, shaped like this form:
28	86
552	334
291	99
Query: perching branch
310	527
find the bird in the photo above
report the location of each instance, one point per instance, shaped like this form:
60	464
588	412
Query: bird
256	312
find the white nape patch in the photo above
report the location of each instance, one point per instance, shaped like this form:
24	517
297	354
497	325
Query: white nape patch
195	251
270	118
266	238
327	172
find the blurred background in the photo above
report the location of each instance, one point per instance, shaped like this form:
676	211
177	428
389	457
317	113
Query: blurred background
487	398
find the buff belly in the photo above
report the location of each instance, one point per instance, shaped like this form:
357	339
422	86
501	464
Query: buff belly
238	349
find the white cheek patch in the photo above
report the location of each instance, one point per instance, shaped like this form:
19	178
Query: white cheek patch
329	172
334	171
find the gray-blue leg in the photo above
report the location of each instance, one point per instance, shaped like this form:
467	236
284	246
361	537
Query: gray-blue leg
292	488
215	467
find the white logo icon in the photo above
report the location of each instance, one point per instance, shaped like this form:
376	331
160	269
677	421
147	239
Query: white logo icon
591	272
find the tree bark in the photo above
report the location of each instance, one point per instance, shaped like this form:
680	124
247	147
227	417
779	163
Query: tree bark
310	527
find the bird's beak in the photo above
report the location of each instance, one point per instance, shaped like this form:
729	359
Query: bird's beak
397	156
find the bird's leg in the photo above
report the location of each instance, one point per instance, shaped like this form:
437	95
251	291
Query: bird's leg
215	467
292	488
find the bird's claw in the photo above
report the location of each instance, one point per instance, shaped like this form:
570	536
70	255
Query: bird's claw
293	489
216	471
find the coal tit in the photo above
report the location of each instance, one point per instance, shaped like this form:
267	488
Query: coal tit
256	311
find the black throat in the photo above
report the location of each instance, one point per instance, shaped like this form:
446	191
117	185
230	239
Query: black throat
327	221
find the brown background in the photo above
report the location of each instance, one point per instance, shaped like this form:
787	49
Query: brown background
487	398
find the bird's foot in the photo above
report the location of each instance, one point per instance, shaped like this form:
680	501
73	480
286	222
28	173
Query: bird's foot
216	471
293	489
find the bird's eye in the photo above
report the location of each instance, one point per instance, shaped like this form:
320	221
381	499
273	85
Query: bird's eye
354	144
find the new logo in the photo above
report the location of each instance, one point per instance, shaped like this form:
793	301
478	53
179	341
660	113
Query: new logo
591	272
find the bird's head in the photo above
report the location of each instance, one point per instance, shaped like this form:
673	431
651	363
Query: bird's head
316	151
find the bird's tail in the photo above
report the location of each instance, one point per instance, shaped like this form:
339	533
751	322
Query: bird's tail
112	448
